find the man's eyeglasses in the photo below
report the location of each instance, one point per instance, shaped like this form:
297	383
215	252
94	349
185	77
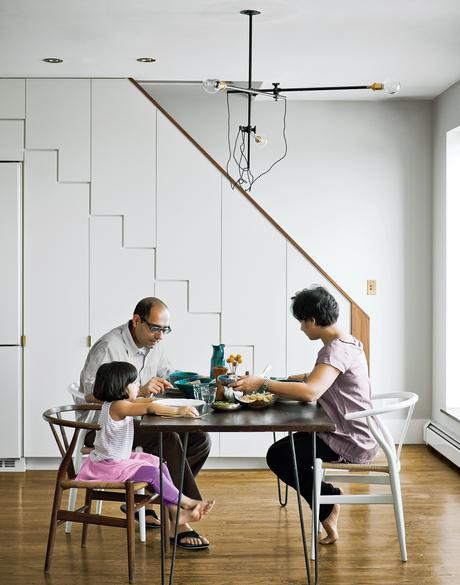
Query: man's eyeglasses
157	328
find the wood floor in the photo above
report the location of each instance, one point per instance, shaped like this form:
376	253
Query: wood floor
254	541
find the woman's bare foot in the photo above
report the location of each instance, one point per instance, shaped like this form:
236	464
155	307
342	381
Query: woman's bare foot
330	526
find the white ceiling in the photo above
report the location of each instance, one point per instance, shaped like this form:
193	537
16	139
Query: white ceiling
296	42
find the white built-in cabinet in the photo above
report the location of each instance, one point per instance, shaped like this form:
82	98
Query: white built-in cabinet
119	205
10	308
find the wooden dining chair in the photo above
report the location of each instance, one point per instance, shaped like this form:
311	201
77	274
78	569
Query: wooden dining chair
126	491
81	451
386	474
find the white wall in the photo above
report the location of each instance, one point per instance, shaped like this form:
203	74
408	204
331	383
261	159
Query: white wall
355	192
446	116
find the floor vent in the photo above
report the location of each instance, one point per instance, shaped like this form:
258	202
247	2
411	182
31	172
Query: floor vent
12	465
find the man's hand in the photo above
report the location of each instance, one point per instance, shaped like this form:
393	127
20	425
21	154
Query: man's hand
154	386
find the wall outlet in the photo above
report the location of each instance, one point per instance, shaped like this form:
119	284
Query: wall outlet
371	287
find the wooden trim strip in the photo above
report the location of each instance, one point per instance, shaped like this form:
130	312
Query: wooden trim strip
359	317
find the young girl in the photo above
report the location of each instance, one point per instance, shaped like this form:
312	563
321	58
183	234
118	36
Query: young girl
112	458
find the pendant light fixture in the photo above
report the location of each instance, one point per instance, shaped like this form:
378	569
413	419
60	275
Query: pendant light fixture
240	152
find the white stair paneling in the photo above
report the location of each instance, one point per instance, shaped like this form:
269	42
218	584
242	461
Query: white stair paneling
215	444
10	253
11	140
245	444
119	277
56	311
11	398
12	99
189	346
124	159
301	352
253	282
58	118
189	218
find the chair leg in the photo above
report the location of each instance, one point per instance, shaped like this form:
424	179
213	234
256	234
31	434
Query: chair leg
142	531
315	504
131	530
88	502
71	507
53	525
141	511
398	509
99	505
165	527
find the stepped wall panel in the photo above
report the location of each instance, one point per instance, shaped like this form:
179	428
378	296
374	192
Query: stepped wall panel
123	159
12	99
119	277
58	118
189	218
55	294
253	282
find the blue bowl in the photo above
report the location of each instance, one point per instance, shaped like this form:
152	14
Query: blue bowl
179	375
187	387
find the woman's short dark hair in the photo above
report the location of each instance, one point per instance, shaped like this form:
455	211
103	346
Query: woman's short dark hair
112	380
315	303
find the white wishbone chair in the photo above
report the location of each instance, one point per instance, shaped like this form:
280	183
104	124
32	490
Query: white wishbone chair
387	474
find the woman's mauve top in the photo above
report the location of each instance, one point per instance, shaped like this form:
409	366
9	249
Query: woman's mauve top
350	392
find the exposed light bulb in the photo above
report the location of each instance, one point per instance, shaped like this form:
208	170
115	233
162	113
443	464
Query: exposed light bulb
261	141
391	87
213	85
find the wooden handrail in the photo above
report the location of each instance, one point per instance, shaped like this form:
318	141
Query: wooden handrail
360	321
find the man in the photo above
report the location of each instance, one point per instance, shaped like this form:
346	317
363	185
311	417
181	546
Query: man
139	343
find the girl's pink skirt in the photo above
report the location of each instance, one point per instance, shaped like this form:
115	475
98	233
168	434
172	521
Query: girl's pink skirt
112	470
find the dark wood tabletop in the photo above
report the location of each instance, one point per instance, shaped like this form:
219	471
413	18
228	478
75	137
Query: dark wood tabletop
282	416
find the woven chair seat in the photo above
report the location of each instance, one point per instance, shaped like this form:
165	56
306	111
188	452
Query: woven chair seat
105	485
356	467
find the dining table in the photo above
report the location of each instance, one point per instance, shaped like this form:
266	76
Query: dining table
283	416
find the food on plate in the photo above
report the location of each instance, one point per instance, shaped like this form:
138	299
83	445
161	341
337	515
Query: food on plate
258	396
224	404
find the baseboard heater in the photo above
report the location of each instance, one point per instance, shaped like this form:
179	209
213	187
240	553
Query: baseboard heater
443	441
13	465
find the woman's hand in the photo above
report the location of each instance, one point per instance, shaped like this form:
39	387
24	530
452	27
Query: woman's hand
188	411
248	383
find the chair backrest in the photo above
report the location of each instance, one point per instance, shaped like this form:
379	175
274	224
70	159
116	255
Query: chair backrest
58	425
399	401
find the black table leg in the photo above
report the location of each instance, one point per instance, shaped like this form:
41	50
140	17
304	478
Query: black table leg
282	504
299	505
314	544
181	485
162	520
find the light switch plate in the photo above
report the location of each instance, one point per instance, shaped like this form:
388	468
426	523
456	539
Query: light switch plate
371	287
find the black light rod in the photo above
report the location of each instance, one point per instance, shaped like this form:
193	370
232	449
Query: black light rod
249	85
342	87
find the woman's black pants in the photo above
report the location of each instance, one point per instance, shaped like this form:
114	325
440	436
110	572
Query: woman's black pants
279	459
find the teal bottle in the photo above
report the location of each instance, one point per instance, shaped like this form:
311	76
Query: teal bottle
217	358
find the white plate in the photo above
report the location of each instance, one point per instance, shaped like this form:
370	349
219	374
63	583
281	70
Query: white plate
180	402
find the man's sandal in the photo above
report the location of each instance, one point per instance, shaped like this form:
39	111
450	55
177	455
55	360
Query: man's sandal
186	545
148	512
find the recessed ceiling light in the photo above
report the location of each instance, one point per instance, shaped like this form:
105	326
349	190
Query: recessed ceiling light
53	60
146	60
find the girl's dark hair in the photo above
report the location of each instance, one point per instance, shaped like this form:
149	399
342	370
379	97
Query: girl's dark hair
112	380
315	303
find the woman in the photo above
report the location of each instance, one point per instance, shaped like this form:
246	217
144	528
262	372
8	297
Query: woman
339	382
